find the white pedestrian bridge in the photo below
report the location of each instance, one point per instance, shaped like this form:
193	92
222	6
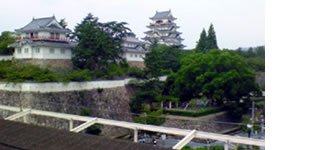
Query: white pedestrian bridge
88	121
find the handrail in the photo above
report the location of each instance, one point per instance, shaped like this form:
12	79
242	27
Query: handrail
153	128
43	38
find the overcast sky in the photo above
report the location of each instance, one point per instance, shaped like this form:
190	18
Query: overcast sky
238	23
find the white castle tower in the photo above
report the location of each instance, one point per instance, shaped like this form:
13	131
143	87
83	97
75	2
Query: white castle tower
43	42
163	30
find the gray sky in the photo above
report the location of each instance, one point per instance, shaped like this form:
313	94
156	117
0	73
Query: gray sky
238	23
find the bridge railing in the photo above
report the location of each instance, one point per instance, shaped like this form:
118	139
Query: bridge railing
189	134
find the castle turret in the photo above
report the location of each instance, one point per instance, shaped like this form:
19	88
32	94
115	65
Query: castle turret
44	42
163	30
133	50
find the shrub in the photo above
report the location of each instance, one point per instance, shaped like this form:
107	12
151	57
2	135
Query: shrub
11	72
93	129
115	70
188	113
79	75
151	118
136	72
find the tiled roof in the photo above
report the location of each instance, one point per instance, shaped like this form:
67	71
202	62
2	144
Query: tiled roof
163	15
41	24
19	136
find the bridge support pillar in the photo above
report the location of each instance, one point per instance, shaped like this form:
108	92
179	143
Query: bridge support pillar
226	145
71	124
136	135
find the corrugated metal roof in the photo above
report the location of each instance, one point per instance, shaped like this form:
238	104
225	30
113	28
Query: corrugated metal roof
18	136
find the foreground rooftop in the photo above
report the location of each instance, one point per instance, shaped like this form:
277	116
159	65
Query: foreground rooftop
20	136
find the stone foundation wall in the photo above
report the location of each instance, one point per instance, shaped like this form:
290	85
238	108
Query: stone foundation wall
109	103
52	64
211	123
137	64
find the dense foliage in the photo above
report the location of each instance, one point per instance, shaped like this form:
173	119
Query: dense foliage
145	95
163	59
153	118
254	57
11	71
93	129
189	113
219	75
207	41
99	45
6	38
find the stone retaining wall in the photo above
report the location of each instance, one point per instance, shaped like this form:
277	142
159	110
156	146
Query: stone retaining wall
109	103
212	123
52	64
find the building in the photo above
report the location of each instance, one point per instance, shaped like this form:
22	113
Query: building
44	42
133	50
20	136
163	30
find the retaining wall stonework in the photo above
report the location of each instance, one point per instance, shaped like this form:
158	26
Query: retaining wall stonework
52	64
105	99
211	123
137	64
110	103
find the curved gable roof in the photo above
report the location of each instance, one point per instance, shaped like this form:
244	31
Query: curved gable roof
42	24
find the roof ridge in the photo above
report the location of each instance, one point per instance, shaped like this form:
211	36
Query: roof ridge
43	18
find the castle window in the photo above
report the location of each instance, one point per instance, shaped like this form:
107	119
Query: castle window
51	35
159	21
52	50
26	50
37	50
136	55
19	51
62	51
57	35
131	55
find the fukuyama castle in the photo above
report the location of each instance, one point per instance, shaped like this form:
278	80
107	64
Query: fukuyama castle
163	30
133	50
44	42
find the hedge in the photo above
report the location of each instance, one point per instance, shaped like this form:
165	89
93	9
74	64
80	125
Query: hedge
188	113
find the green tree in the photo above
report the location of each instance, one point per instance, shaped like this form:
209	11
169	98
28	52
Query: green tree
221	76
211	42
146	94
162	59
99	44
93	129
6	38
63	23
201	46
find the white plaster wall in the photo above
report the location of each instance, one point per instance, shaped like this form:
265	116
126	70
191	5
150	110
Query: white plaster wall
131	56
62	87
38	55
45	34
23	54
56	55
44	53
5	58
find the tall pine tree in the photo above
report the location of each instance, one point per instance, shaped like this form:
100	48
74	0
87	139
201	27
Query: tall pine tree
201	46
98	43
211	39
